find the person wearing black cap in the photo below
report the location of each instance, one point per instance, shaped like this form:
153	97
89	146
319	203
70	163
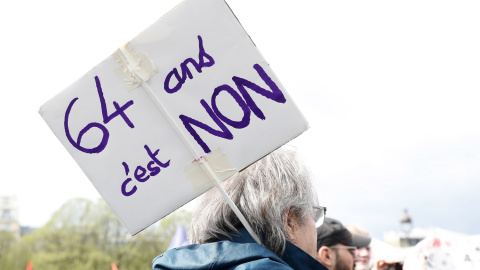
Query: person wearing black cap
336	245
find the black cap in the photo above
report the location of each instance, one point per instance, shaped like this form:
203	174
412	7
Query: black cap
332	232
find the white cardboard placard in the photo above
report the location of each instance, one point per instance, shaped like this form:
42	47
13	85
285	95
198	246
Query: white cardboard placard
128	149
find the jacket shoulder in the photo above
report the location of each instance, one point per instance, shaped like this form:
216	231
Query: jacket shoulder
220	255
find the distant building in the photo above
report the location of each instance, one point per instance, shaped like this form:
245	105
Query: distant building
9	215
408	236
403	239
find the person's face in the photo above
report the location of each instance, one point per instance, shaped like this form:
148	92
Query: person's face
344	259
362	258
305	236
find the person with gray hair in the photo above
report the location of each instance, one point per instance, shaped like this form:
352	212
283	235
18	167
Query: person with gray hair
276	196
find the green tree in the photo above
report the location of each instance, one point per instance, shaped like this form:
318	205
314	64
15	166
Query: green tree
13	253
153	241
70	239
84	234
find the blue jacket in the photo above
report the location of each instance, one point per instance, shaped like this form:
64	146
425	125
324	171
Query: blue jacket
241	253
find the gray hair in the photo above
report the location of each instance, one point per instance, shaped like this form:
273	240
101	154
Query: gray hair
264	192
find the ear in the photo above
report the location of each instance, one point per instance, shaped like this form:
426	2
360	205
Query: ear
326	257
291	224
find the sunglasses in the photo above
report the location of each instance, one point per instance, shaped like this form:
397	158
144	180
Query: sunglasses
351	249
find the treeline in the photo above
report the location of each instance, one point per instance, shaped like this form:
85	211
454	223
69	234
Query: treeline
86	235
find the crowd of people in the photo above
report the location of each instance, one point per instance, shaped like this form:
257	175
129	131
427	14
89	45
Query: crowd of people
277	198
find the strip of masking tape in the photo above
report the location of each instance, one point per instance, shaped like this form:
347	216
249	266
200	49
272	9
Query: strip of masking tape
134	67
200	179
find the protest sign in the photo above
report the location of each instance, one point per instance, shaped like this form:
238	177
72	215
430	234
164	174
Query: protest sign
191	86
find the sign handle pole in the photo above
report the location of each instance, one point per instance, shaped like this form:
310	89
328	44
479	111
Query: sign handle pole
142	76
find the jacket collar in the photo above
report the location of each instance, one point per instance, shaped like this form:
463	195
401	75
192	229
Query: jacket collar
293	256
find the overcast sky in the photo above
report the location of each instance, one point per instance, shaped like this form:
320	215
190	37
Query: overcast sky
391	91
